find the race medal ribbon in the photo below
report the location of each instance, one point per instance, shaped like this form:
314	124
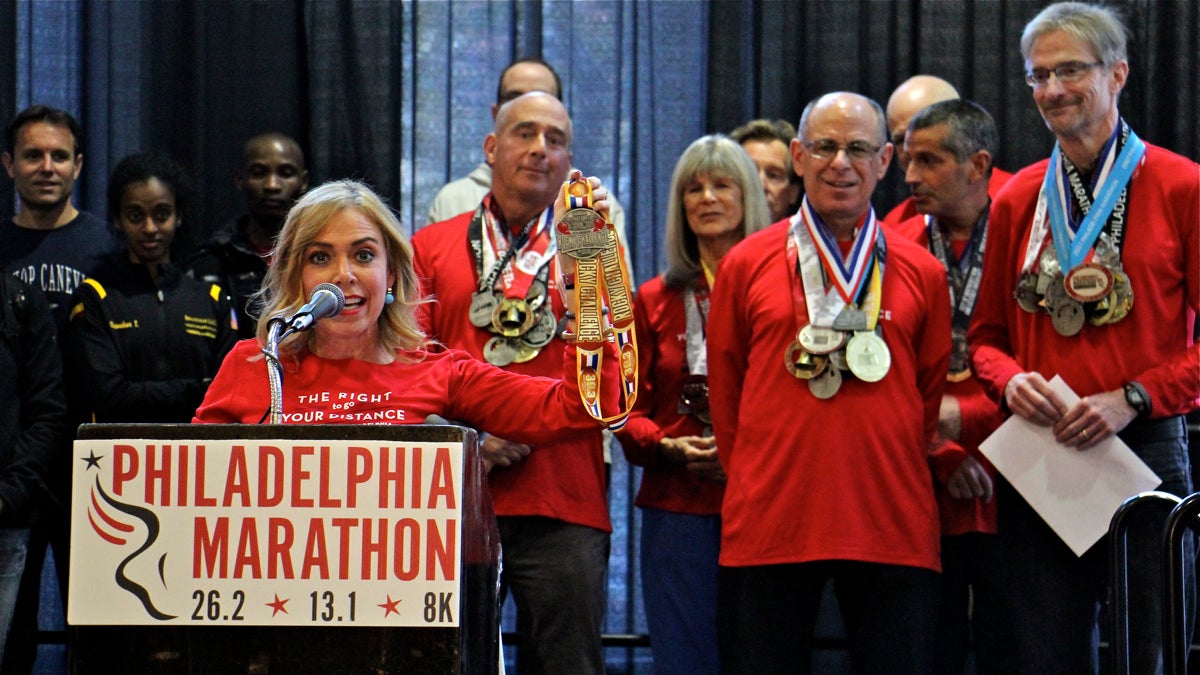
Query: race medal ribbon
812	252
693	397
516	312
1073	247
601	280
963	277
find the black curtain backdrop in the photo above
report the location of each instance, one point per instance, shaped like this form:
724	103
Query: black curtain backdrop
769	59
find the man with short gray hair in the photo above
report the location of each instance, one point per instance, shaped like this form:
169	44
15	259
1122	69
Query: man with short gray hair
1092	274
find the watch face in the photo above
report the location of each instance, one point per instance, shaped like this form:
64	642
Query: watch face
1133	395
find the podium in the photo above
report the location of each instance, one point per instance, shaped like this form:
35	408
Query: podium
281	549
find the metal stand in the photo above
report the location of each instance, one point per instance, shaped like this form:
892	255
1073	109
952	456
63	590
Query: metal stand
1175	639
275	369
1118	532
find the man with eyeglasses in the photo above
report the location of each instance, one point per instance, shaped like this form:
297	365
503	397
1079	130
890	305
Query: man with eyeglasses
828	346
1093	274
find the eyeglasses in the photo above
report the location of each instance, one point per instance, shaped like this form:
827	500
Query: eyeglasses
856	151
1068	72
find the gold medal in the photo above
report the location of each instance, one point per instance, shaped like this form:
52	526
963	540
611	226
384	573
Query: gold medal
512	317
525	352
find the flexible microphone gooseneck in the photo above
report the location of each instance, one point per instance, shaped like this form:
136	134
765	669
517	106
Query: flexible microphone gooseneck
327	300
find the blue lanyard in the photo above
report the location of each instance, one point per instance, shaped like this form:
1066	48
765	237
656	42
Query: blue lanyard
1072	252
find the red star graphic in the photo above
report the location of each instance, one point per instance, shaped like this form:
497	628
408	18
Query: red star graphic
390	607
278	606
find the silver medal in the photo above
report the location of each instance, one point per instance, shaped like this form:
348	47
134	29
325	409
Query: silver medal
818	340
500	351
1026	294
543	330
483	303
868	356
826	384
1055	294
536	295
850	318
1068	317
1047	269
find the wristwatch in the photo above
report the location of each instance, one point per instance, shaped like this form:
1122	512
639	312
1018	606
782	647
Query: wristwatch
1137	398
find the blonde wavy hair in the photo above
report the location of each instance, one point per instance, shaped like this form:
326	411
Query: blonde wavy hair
282	292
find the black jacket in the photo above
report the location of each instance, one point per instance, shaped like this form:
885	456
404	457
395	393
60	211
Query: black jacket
229	260
144	351
33	409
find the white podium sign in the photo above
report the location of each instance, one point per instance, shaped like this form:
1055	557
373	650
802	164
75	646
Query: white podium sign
266	533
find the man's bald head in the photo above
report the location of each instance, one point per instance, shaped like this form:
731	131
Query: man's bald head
914	94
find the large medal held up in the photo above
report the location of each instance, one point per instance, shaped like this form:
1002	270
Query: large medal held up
582	233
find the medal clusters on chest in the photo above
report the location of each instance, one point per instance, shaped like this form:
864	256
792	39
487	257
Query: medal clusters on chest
821	355
512	300
1096	292
841	298
1072	269
522	326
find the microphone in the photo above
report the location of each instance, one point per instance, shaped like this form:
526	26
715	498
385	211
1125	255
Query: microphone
327	300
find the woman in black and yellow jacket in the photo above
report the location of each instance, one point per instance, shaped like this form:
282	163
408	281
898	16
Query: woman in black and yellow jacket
147	339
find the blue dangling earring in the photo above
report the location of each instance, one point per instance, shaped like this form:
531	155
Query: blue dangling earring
390	298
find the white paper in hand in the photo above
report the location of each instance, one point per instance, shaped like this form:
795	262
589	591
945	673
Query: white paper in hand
1075	491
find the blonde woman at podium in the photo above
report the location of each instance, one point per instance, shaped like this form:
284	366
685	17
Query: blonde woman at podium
370	363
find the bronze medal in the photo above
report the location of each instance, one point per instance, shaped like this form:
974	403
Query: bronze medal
817	340
693	399
512	317
801	364
1088	283
482	305
500	351
826	384
960	357
868	356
